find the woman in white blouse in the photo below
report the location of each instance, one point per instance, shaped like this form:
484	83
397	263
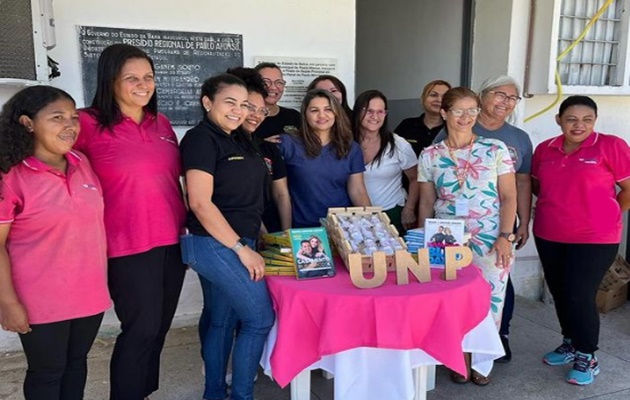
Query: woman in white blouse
387	157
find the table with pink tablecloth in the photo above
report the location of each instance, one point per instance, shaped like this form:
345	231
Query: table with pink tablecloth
322	317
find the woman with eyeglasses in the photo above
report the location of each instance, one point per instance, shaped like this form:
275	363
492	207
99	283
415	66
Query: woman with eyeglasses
324	164
277	214
387	157
499	97
280	119
470	177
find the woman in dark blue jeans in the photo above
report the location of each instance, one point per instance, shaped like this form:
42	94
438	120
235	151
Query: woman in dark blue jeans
225	180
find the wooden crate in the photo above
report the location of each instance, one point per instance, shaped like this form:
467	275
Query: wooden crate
335	234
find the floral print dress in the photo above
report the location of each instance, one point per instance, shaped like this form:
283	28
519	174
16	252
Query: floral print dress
470	175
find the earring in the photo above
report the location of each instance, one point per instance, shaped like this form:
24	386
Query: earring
208	109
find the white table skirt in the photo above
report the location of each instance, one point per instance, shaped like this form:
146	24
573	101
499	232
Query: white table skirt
367	373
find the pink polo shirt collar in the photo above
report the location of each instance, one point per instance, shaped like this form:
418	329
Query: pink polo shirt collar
36	164
558	142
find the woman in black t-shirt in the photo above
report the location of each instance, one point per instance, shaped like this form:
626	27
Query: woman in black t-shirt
277	212
225	180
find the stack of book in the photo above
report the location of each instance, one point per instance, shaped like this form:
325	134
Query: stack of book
303	253
277	254
415	240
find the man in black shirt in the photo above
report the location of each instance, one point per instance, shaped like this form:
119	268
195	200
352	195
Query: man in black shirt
280	119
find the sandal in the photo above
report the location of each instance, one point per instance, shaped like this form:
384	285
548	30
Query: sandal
459	378
479	379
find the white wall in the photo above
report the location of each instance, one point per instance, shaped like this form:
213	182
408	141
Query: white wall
325	28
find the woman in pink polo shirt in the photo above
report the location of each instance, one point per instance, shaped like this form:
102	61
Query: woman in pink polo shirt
53	280
134	152
577	226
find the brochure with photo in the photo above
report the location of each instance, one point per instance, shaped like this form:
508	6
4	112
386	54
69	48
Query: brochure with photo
311	252
440	233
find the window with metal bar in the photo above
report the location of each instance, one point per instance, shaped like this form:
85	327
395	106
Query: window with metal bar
596	60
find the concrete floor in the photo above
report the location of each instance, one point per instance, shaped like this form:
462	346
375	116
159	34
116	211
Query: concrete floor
534	331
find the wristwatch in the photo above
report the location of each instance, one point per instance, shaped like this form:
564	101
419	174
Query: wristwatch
509	236
239	245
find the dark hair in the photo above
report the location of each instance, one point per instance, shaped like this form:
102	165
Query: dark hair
577	101
454	94
458	93
104	106
251	77
16	142
341	135
215	84
360	112
264	65
339	85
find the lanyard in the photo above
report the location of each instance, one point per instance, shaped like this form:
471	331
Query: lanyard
461	174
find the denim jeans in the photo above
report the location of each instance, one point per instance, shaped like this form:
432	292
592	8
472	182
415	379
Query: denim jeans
204	318
234	297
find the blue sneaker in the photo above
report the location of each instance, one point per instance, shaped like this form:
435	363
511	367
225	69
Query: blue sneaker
585	369
564	354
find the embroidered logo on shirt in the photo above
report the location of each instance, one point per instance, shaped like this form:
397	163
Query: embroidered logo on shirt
412	140
90	186
290	129
236	158
513	154
168	139
269	165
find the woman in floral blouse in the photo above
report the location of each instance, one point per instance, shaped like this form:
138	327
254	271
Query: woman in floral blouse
472	178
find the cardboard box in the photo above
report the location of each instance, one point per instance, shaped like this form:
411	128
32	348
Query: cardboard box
617	276
610	299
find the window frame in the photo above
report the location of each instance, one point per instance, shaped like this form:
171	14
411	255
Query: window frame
623	70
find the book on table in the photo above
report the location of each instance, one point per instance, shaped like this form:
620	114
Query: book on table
441	233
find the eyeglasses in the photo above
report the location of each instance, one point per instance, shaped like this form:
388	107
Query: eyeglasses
279	83
502	96
379	113
264	111
471	112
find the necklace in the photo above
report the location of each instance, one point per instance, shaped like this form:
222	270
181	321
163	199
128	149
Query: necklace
461	173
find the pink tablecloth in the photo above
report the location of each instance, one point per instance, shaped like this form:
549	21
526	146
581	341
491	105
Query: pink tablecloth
326	316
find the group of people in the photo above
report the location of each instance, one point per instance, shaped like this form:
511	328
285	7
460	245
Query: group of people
97	193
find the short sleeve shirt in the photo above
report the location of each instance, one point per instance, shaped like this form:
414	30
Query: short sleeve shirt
517	141
139	168
277	170
577	201
316	184
239	176
383	179
488	159
286	121
56	241
417	133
